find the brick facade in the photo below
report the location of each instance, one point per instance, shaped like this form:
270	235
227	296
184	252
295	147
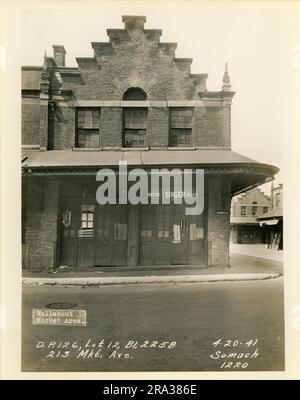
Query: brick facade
245	210
41	223
218	229
134	57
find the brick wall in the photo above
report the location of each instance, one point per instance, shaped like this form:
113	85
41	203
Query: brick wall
41	223
64	128
30	121
158	127
247	199
43	127
111	127
133	57
208	126
218	228
226	128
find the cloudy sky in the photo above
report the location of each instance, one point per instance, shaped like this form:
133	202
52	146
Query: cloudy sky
248	35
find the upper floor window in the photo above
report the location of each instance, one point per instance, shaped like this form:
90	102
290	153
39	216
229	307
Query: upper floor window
88	127
135	123
181	127
265	209
134	120
243	210
254	208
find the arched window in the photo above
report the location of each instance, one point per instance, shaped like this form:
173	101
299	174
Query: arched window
134	94
254	208
134	119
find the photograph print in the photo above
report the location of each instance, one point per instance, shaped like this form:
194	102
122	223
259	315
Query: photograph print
152	192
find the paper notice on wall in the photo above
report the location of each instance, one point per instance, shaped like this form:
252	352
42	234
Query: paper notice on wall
176	233
195	232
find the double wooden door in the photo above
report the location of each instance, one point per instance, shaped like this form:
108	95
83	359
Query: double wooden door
111	235
168	236
94	235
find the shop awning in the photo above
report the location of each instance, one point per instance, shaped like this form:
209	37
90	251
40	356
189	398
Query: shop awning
69	158
245	173
276	213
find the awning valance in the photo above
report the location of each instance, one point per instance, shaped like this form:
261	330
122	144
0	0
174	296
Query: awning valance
269	222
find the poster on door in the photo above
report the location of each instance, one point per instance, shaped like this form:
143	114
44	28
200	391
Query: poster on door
176	234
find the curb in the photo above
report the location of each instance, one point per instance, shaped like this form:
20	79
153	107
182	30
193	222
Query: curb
147	279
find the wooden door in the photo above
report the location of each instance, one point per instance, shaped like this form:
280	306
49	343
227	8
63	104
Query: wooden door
85	236
120	228
146	237
162	237
154	240
197	242
103	235
180	236
111	235
68	234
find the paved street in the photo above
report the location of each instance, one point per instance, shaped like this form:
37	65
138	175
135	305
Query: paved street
194	315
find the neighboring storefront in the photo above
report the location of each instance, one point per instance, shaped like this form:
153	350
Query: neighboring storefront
272	221
245	209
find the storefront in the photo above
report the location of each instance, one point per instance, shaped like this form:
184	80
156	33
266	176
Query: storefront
65	222
97	235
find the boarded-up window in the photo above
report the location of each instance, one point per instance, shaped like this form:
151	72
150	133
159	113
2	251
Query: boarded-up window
181	127
135	124
88	125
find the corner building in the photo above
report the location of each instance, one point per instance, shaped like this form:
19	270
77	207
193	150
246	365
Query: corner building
132	101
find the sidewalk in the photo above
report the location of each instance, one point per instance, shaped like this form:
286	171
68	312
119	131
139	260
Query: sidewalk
243	267
257	250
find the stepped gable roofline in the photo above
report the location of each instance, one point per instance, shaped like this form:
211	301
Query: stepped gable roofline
104	50
134	21
171	45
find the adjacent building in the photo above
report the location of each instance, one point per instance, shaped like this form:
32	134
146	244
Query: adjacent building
245	209
134	102
272	221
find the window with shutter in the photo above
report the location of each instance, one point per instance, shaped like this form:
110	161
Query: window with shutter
88	128
135	125
181	127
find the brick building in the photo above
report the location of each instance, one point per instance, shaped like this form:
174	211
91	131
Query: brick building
272	221
133	101
245	209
